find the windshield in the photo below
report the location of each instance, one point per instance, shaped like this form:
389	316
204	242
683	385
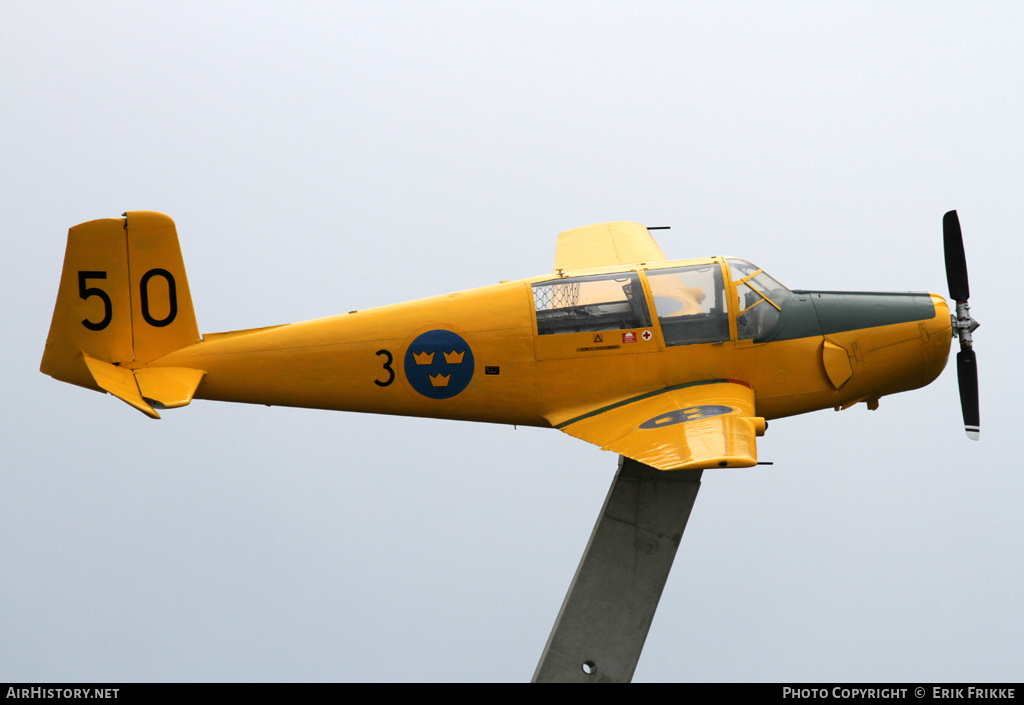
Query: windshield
760	299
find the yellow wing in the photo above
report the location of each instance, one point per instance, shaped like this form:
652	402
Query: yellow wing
606	245
698	425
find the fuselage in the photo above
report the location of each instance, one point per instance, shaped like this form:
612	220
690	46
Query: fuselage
534	351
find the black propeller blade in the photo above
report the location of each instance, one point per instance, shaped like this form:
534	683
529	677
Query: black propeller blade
964	325
956	261
967	375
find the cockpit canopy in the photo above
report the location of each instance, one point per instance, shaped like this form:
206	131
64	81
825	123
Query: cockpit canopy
692	302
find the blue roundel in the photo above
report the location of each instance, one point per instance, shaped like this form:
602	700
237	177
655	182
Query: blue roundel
439	364
691	413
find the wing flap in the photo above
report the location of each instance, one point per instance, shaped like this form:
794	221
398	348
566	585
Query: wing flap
606	245
699	425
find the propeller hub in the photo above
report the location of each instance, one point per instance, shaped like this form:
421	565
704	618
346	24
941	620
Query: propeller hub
964	325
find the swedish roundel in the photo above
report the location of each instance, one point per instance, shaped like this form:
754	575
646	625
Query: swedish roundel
439	364
692	413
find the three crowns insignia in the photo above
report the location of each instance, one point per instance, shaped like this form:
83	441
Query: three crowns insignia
451	358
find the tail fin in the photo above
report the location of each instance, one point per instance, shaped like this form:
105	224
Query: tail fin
123	302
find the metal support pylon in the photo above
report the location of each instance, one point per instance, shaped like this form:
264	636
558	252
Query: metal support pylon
604	620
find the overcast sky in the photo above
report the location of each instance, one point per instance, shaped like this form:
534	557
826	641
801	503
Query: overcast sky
324	157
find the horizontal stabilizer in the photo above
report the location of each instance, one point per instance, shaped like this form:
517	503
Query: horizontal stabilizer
168	387
163	387
120	382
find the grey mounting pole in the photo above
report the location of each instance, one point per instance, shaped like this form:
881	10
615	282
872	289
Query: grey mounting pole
604	620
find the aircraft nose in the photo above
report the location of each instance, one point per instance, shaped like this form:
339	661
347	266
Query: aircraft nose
938	334
882	343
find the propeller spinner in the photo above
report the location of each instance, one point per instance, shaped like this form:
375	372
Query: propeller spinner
963	324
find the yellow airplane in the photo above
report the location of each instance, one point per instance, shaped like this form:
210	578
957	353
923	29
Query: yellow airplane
675	364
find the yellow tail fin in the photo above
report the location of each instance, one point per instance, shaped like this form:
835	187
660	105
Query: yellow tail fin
123	301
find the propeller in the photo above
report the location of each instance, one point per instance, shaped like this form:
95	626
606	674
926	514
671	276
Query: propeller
963	324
